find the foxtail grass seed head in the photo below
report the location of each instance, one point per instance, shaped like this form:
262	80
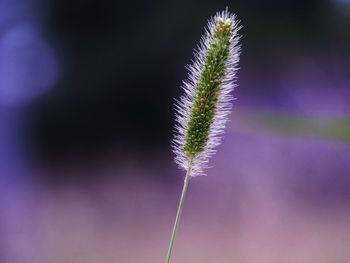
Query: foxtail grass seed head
202	112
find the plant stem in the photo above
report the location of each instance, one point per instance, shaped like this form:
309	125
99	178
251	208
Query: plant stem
179	211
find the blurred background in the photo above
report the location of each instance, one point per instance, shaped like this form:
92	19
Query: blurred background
86	120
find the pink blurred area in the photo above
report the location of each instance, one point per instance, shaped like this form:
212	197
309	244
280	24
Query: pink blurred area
267	199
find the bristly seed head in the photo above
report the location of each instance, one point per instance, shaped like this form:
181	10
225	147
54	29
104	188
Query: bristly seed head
202	111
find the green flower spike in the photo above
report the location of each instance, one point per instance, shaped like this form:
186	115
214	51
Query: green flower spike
202	111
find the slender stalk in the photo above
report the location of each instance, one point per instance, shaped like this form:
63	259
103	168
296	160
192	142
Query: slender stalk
179	212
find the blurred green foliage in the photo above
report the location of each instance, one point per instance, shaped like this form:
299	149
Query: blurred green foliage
337	128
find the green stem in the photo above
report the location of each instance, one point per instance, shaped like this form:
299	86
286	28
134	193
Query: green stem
179	211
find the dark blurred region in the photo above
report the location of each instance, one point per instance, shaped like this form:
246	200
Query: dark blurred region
121	66
86	120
